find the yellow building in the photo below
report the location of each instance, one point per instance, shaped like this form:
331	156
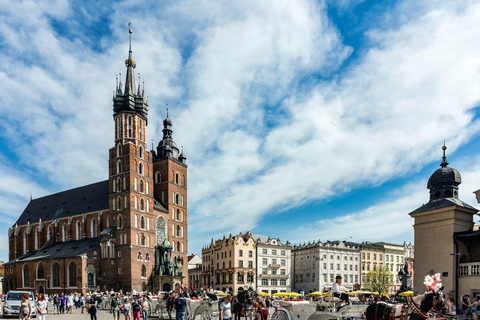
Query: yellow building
230	263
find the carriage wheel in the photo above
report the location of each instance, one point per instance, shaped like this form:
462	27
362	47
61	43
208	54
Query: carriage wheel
281	315
206	315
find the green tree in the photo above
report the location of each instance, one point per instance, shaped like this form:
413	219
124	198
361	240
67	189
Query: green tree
379	279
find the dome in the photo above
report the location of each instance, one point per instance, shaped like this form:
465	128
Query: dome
167	143
167	122
444	176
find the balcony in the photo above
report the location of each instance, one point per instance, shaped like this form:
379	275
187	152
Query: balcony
469	269
274	266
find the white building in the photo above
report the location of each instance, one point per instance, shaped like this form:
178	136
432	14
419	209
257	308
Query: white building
315	265
273	265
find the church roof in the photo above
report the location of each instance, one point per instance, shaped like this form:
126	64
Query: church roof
443	203
61	250
85	199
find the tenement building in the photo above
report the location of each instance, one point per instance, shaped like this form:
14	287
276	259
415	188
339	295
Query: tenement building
195	272
273	265
103	235
230	263
445	241
315	265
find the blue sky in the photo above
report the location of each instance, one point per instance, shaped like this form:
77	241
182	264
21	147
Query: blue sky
302	120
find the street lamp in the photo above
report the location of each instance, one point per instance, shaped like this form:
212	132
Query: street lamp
456	254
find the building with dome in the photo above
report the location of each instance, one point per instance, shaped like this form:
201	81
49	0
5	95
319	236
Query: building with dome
445	242
128	232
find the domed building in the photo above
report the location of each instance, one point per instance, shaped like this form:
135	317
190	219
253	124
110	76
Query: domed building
444	233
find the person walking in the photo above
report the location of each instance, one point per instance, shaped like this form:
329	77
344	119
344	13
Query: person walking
81	301
115	306
145	308
474	308
180	305
25	311
466	306
126	307
42	305
70	303
62	303
136	308
92	308
226	309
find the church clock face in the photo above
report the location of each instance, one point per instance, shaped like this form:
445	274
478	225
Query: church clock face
160	230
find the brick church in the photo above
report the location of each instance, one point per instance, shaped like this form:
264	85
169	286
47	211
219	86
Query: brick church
103	235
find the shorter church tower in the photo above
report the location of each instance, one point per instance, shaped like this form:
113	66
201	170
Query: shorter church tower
435	225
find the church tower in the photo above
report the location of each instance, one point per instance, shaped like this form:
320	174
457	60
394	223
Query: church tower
170	174
131	199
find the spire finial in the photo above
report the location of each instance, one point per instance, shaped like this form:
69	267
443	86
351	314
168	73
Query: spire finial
167	110
444	162
130	33
31	196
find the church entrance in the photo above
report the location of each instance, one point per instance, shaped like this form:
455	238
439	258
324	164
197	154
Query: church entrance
167	287
41	290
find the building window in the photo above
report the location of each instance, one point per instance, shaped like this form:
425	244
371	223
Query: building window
64	233
140	151
119	222
274	252
177	178
177	199
283	253
178	231
264	270
56	275
139	256
264	251
147	257
40	271
142	205
143	240
72	274
140	168
49	232
119	166
264	282
273	282
250	264
240	263
250	253
283	282
142	186
240	253
144	271
119	203
26	276
142	222
93	228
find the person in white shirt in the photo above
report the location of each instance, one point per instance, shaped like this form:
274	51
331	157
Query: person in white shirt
226	308
336	286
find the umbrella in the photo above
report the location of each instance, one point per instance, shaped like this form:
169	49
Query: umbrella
367	292
294	294
375	293
316	293
264	294
326	294
278	294
221	294
406	293
356	292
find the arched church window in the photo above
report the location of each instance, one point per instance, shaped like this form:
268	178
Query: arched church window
160	230
119	222
178	231
26	276
158	177
24	242
40	271
140	150
119	185
177	178
178	246
139	256
64	233
140	168
36	238
143	240
177	199
142	222
129	126
119	166
144	271
178	215
142	186
78	231
93	228
119	203
142	205
55	275
119	150
72	274
147	257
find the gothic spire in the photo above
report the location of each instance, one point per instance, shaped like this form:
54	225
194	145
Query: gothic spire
130	64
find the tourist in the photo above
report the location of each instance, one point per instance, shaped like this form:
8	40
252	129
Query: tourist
474	308
262	313
81	302
42	305
136	308
145	308
115	306
92	308
76	300
226	309
211	293
466	305
69	301
126	307
180	307
62	303
25	311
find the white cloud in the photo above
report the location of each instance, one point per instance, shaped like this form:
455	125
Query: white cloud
260	129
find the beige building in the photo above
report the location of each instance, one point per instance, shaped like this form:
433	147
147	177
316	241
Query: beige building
195	272
230	263
444	237
381	254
